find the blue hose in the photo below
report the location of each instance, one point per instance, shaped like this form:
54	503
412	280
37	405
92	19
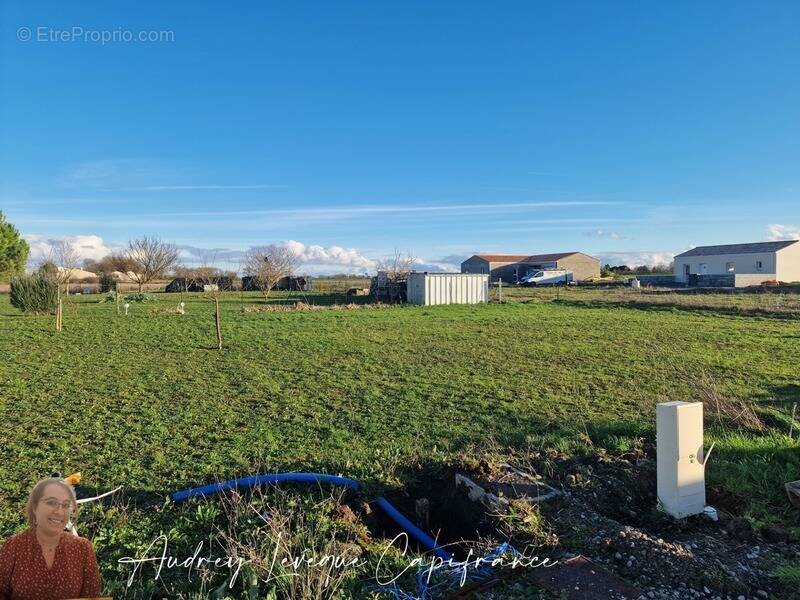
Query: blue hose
423	538
415	532
247	482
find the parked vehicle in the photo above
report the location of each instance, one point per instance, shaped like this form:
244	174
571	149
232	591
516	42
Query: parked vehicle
551	277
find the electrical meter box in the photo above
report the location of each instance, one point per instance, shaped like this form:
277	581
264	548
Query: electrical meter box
680	458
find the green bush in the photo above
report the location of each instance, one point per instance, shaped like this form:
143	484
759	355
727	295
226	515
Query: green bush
107	283
34	294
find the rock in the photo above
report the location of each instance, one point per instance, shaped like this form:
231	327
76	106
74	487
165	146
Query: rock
774	534
570	480
762	594
618	556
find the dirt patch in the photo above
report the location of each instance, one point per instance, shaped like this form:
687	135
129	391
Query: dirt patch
580	579
607	512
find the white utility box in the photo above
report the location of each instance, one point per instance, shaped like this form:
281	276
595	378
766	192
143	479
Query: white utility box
680	458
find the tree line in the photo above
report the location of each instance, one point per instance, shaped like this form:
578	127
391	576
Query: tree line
607	270
149	259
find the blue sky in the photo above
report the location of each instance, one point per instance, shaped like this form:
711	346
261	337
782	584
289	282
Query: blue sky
627	130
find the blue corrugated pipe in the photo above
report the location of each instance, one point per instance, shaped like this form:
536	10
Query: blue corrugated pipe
415	532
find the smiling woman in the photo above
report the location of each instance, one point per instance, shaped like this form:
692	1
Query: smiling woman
45	562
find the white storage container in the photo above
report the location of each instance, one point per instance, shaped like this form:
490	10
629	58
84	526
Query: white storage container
429	289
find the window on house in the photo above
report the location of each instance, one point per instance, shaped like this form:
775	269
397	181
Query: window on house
730	267
759	265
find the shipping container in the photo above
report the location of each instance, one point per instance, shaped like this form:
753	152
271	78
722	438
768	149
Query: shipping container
429	289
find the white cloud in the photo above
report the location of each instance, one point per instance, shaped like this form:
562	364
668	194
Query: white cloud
603	234
337	256
637	258
436	265
777	232
86	246
313	259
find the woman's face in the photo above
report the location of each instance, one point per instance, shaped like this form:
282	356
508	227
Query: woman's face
53	510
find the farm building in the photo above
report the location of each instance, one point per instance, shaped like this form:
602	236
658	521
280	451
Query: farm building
513	267
181	284
286	284
429	289
739	265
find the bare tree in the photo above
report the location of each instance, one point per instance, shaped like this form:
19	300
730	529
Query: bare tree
59	264
189	277
397	266
268	264
116	262
64	256
208	276
211	279
149	257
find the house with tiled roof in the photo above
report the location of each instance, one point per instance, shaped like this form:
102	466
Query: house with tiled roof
739	265
510	268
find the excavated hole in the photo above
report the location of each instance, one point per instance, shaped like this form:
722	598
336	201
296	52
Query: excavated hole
451	518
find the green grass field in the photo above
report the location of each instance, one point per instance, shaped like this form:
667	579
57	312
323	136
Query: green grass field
146	401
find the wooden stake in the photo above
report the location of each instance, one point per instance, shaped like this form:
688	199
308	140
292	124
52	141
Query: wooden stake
216	319
791	427
58	308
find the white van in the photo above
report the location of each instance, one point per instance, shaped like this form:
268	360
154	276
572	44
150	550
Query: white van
551	277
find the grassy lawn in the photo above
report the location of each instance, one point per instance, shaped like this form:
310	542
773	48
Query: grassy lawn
147	401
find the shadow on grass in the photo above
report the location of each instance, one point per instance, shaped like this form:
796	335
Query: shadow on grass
675	306
312	298
135	498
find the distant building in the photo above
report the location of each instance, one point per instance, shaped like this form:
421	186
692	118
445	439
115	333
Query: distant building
182	284
513	267
285	284
739	265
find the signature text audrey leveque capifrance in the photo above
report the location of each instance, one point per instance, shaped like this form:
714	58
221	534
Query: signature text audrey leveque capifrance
156	558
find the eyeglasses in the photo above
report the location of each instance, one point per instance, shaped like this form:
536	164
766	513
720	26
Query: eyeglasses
54	504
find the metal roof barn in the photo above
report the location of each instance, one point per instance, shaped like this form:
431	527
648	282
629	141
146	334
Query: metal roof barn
429	289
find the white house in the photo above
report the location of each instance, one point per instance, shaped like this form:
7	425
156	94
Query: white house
739	265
